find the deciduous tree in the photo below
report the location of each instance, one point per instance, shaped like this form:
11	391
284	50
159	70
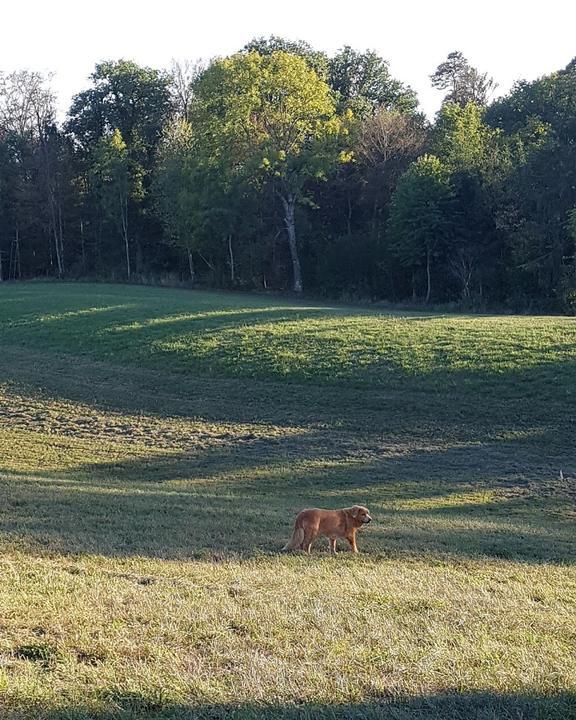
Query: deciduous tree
364	84
421	226
118	179
271	118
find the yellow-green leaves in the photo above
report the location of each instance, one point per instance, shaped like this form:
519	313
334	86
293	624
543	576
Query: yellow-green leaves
269	114
461	137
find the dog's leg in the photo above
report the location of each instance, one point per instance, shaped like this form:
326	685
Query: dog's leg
352	540
333	546
308	540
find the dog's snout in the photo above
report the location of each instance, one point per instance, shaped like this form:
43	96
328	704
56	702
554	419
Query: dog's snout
367	519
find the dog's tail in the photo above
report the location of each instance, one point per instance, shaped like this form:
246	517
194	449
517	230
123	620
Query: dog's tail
296	540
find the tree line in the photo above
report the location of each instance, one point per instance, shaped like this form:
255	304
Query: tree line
282	168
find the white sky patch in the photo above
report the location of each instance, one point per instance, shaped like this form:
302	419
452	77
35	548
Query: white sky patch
510	39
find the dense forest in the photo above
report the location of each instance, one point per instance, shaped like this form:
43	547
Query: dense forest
281	168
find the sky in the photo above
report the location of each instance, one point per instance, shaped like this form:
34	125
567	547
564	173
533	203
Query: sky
509	39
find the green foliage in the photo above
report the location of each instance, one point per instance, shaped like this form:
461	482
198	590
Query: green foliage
461	138
464	83
269	119
113	164
421	226
551	100
135	100
539	120
568	288
216	167
363	83
571	224
479	164
117	177
178	184
266	115
203	202
317	60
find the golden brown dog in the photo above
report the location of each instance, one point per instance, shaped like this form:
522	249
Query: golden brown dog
330	523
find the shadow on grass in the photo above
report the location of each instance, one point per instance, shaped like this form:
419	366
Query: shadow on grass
228	504
446	706
458	405
203	334
239	497
483	432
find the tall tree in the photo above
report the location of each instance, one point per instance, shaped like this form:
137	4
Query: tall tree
273	119
551	100
27	126
363	83
183	75
461	137
178	187
568	291
135	100
201	204
470	150
119	181
388	143
420	220
463	82
317	60
539	120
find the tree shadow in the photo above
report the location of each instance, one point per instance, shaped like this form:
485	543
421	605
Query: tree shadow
460	406
229	502
481	705
162	331
329	443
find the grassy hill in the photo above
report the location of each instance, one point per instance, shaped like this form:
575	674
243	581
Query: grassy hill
155	446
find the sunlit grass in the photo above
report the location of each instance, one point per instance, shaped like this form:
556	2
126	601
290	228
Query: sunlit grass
262	338
155	446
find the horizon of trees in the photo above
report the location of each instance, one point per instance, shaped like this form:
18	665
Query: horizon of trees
282	168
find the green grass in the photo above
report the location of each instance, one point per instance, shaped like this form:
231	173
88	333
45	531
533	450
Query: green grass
155	446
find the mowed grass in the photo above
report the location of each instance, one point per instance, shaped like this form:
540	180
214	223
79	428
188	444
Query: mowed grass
255	337
155	446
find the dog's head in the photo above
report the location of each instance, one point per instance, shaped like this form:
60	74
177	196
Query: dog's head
360	515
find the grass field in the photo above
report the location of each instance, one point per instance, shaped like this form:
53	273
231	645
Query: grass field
155	446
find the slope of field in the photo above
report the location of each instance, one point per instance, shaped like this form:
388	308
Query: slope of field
155	446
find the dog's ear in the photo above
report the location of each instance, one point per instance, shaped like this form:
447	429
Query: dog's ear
354	510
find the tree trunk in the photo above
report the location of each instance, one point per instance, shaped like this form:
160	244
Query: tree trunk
61	235
428	286
191	265
466	289
289	202
124	213
56	226
231	253
16	272
139	256
54	204
83	246
349	216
